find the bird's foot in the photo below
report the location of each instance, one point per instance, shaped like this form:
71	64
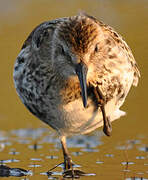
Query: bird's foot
68	164
74	174
101	99
69	171
107	129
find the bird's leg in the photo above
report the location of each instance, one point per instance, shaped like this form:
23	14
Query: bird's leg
68	165
107	128
67	159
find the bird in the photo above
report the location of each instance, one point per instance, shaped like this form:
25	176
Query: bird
74	73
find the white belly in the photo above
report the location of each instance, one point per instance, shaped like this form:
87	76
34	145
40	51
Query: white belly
78	120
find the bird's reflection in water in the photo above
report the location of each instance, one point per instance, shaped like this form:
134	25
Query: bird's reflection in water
72	173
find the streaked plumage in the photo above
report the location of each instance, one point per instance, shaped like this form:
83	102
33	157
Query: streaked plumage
47	78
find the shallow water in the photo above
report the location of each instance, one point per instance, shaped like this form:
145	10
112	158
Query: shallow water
38	150
27	143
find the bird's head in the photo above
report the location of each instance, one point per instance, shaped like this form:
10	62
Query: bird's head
75	45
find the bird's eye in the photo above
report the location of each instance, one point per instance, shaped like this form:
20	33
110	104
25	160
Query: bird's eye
61	49
96	48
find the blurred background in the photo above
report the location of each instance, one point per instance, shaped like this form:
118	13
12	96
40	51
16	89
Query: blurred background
130	19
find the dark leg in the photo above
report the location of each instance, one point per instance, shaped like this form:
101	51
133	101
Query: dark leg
68	165
107	128
67	158
69	172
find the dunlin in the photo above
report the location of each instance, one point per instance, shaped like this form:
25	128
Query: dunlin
74	74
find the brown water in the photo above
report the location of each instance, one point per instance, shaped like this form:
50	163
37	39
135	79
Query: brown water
27	143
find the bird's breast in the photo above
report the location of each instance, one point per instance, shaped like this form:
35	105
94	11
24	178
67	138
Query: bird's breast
79	119
70	90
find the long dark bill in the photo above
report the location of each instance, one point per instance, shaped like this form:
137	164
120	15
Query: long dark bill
81	71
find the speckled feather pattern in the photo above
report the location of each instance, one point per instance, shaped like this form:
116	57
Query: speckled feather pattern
46	81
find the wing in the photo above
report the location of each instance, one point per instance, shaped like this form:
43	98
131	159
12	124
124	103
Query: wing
119	40
134	66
